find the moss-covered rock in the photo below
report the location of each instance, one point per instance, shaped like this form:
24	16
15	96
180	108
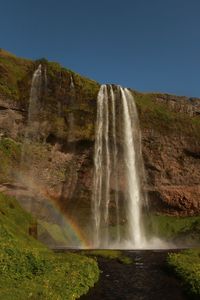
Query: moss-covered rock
29	270
166	118
13	74
187	267
179	231
9	158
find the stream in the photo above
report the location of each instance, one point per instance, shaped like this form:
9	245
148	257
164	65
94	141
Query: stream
145	279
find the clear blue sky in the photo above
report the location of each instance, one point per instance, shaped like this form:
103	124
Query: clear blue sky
149	45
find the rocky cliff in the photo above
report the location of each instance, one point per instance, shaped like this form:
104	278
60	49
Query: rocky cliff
57	166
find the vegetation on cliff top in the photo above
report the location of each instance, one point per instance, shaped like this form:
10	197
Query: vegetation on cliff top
28	270
158	116
13	70
16	74
187	267
59	100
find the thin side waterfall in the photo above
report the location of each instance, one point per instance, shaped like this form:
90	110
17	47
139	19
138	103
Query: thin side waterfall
45	79
35	94
32	128
117	198
71	82
71	114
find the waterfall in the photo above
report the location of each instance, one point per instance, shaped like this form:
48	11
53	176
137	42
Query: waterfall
45	79
34	105
71	82
98	172
71	113
135	235
32	127
31	132
35	93
115	151
117	165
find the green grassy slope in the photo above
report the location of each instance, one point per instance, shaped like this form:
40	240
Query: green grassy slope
28	270
159	117
109	254
13	70
187	266
184	230
10	152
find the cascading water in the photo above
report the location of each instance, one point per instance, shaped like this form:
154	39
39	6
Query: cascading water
135	235
115	151
32	127
117	199
117	163
34	104
71	114
31	133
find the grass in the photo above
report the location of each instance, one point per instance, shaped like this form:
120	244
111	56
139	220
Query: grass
186	265
158	116
55	235
178	229
10	148
10	152
16	75
85	86
29	270
110	254
13	71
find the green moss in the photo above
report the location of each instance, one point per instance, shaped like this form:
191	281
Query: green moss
187	267
13	71
14	225
61	102
10	148
152	113
158	116
196	121
9	158
110	254
59	236
15	82
59	99
29	270
45	276
85	85
171	227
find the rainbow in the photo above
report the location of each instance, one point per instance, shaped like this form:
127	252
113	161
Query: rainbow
76	234
71	231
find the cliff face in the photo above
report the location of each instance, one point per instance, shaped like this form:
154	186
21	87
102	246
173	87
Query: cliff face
57	167
171	151
173	173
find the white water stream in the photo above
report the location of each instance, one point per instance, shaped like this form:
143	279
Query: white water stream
107	160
